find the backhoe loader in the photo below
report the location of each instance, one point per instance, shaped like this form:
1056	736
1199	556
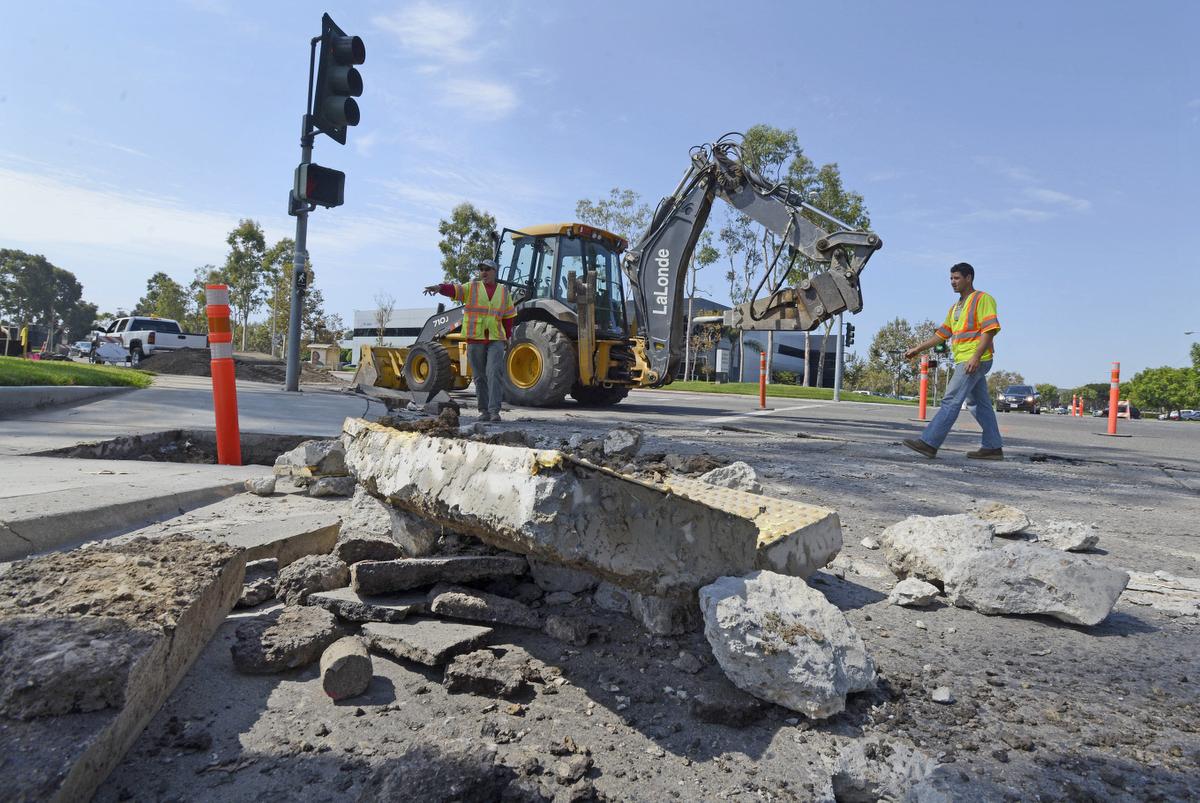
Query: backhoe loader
572	335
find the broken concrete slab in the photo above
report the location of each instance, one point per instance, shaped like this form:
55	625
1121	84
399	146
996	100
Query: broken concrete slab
1005	519
621	443
426	641
308	574
494	672
1069	536
312	459
285	526
457	602
1177	596
611	597
353	548
138	614
370	518
345	668
331	486
793	538
782	641
389	576
883	770
925	547
285	639
348	605
913	593
1030	579
739	476
550	506
259	583
261	486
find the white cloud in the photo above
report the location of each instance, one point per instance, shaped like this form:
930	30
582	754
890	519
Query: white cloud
431	31
1013	213
365	143
1056	198
486	100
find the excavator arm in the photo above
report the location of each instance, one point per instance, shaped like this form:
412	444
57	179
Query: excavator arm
656	265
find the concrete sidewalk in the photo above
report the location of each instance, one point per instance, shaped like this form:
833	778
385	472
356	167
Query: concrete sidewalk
19	401
51	502
183	402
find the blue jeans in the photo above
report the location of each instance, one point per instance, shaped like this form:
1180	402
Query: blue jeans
973	389
487	367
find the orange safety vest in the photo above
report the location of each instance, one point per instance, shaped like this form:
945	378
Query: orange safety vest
963	330
483	315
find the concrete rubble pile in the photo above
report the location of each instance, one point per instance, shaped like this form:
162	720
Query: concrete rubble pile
92	642
449	537
962	555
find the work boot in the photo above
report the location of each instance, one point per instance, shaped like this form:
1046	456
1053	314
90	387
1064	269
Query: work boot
921	447
484	415
986	454
495	416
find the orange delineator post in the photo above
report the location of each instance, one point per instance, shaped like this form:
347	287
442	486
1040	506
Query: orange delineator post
1114	398
224	381
924	387
762	380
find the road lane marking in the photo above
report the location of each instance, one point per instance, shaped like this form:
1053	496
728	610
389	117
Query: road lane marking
721	419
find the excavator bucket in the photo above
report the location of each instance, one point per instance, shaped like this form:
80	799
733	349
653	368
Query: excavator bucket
381	367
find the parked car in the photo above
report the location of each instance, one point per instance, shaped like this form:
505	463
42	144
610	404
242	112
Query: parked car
1124	410
80	348
1019	397
143	336
1061	410
1189	415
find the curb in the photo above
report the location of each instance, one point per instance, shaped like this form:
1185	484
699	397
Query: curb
17	400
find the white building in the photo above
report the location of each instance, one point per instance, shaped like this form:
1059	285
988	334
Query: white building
401	330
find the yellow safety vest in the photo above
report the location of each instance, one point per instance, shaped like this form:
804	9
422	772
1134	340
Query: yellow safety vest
976	316
482	315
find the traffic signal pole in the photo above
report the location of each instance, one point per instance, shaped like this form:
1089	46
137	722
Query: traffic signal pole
299	276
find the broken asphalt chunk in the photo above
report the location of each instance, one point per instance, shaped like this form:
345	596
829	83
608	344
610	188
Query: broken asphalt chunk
350	606
286	639
388	576
426	641
457	602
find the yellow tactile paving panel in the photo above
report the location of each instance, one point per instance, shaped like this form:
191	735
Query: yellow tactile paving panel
776	518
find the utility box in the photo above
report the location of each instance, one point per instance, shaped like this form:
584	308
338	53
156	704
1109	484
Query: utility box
324	355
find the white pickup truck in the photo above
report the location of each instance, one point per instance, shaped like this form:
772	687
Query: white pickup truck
140	337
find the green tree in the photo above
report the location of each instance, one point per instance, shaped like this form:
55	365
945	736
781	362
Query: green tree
195	316
1166	388
79	320
244	272
164	298
886	353
277	274
1049	394
1196	356
854	368
466	239
623	213
704	255
34	291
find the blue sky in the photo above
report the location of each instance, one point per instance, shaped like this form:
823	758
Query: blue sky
1051	144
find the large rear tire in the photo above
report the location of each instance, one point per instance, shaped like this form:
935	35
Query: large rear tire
598	396
427	368
541	366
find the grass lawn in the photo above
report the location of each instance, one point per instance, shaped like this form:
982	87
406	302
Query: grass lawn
779	391
15	371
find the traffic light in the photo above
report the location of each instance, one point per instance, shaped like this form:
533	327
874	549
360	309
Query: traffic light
322	186
849	334
337	82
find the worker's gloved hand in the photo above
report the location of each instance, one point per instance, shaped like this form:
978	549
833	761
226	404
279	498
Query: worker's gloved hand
430	290
912	352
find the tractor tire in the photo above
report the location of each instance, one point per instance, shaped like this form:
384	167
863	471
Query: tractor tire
598	396
427	368
540	367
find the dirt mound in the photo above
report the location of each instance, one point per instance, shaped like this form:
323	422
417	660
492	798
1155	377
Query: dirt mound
249	366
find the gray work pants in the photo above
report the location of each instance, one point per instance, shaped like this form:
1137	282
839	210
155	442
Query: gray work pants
487	367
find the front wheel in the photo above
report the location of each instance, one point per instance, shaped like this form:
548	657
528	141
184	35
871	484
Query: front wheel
540	367
136	356
427	368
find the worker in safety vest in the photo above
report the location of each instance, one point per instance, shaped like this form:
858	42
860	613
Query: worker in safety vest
488	317
970	326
